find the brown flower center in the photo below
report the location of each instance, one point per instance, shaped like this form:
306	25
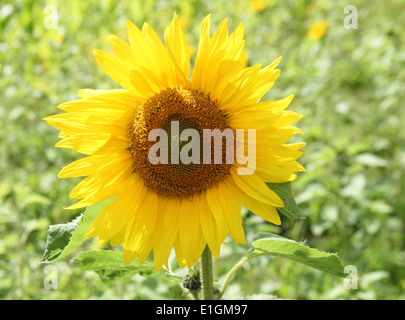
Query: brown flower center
175	110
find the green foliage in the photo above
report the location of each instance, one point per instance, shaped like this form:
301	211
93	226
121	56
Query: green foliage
349	86
109	265
58	239
64	239
274	245
284	191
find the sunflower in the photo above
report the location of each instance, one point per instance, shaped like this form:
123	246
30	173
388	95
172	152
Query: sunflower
165	205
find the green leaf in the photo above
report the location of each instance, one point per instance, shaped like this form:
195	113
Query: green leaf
284	191
64	239
57	239
274	245
109	265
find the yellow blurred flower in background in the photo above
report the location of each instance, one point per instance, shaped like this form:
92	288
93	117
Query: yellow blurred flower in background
318	30
258	5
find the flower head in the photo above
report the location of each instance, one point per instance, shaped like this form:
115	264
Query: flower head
161	202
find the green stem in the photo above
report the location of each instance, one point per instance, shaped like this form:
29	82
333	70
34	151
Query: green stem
194	294
233	270
207	276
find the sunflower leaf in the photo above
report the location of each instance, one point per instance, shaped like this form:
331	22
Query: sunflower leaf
63	239
57	239
274	245
284	191
109	265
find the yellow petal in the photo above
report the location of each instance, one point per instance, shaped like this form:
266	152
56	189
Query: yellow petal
201	64
151	58
231	209
162	57
118	238
256	188
263	210
216	210
271	136
116	215
121	49
105	95
100	191
189	235
220	35
165	231
219	59
138	236
180	257
118	70
94	143
271	175
287	118
253	119
74	123
268	111
208	226
248	87
120	165
90	165
179	51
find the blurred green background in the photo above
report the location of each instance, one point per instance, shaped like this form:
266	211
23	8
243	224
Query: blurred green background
348	84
